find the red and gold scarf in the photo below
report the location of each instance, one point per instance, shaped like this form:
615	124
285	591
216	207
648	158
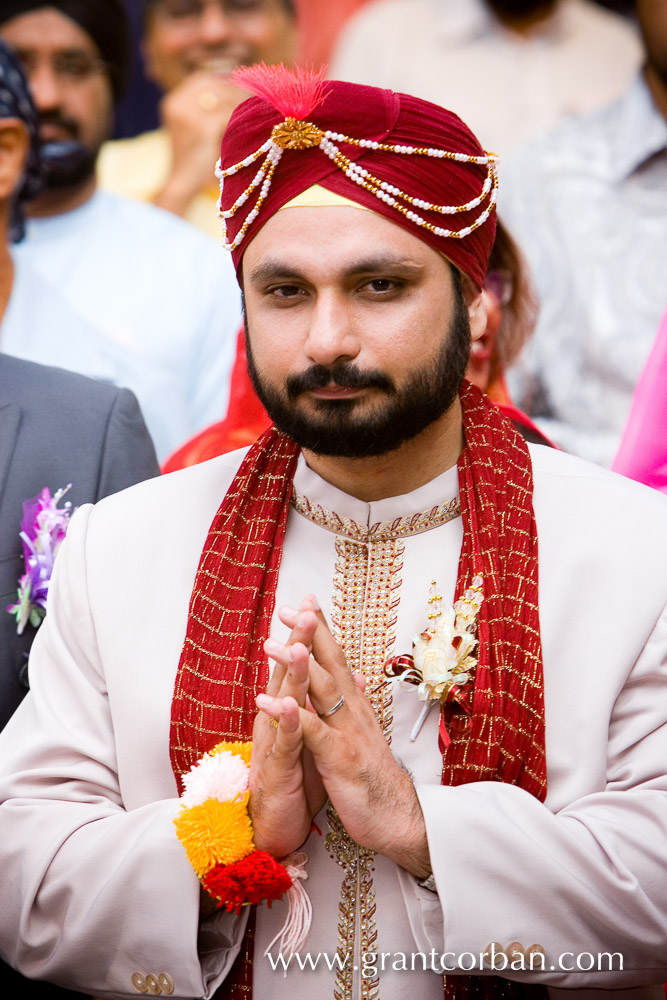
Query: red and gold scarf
223	666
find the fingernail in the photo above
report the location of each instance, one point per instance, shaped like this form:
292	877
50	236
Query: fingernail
263	701
314	603
277	649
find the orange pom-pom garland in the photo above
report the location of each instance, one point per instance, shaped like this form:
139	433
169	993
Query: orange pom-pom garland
214	827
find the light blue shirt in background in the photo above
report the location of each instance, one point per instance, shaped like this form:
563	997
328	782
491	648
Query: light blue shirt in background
159	299
588	205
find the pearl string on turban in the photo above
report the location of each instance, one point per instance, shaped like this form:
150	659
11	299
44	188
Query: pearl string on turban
409	160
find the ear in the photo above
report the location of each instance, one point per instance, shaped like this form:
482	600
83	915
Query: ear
476	303
149	50
483	329
14	144
146	51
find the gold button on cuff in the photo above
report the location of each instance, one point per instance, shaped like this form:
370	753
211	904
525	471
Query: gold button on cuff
535	963
152	985
155	985
139	982
166	982
515	951
494	950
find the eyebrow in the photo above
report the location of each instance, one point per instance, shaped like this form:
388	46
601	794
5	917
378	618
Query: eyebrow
277	270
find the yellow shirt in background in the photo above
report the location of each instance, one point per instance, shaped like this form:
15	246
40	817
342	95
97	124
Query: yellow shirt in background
139	167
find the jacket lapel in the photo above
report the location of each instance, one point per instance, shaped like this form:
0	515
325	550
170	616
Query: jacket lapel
10	418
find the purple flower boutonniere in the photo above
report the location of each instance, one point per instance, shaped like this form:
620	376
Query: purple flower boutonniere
43	530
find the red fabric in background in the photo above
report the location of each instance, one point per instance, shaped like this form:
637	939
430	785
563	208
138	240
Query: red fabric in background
379	115
246	419
319	23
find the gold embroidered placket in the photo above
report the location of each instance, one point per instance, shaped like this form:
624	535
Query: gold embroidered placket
366	596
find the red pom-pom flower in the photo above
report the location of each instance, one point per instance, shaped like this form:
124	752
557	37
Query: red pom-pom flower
253	879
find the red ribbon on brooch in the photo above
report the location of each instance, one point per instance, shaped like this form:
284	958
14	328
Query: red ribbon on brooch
403	666
458	696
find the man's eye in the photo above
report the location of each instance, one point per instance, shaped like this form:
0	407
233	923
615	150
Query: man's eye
77	65
382	285
180	8
245	5
285	291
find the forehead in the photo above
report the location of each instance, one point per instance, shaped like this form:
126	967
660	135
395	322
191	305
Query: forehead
235	8
46	29
325	241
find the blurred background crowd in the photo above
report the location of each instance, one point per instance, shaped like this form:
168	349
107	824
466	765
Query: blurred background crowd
121	341
119	274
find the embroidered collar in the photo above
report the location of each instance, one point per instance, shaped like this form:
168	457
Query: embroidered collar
380	531
321	493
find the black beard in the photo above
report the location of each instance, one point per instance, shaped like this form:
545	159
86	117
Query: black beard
410	409
517	10
67	164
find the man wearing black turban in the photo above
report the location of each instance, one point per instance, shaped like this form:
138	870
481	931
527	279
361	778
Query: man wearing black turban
145	283
104	20
72	142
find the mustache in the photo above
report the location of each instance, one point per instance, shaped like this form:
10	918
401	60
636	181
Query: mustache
60	120
343	376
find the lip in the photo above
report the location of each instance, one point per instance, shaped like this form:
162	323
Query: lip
336	392
55	133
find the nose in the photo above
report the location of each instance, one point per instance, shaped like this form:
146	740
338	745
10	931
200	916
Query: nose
44	86
214	25
332	335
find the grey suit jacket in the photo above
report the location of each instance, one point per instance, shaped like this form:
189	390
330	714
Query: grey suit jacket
56	428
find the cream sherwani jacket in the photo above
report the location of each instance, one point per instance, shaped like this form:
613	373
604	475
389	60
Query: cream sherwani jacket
96	888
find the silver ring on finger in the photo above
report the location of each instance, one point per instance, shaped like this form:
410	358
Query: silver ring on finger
333	709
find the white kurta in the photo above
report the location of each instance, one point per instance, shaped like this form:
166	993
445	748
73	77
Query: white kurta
96	886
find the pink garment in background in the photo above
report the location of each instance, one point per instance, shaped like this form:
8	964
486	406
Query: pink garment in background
642	454
319	23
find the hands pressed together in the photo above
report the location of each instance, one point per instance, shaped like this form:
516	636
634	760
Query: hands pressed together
316	736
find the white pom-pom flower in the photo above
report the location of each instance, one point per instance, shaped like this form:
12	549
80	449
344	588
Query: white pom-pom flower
222	776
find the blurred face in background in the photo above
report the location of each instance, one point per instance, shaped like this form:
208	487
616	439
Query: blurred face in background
652	17
69	82
184	36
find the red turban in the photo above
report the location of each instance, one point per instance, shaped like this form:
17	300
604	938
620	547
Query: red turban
360	113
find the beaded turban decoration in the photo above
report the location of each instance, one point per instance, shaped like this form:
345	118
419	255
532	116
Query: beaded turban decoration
409	160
